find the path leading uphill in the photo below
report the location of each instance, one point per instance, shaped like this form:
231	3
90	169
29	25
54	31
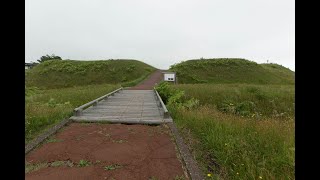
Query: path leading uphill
150	82
112	151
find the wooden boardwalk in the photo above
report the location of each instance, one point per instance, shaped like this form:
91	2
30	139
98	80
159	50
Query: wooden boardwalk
126	106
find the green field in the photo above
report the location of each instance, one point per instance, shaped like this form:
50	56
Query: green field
231	70
236	131
68	73
275	101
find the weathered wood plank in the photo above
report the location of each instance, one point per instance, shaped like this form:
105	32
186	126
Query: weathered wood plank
134	106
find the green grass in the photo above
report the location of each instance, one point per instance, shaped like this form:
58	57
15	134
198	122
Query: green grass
30	167
35	167
84	163
231	70
229	142
62	163
47	107
112	167
276	101
68	73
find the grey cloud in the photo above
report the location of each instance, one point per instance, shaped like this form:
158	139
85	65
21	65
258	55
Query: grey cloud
161	33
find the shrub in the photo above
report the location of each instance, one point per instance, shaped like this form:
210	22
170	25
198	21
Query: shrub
164	91
175	97
245	108
227	106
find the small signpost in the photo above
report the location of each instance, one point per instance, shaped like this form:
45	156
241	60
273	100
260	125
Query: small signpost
170	77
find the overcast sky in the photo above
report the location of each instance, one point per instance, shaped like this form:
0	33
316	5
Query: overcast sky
161	32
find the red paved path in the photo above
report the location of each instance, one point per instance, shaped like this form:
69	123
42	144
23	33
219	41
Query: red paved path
149	83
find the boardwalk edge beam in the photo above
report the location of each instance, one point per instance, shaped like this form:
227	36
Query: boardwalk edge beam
78	111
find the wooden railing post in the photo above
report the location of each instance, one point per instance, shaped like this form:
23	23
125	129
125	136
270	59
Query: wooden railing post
77	112
166	115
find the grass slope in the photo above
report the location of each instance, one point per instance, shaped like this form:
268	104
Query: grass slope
68	73
226	70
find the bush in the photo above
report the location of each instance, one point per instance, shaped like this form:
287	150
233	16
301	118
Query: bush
175	97
227	106
245	108
164	91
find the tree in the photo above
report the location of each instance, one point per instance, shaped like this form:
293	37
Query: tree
48	57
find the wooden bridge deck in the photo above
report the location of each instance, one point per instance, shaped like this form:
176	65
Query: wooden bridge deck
126	106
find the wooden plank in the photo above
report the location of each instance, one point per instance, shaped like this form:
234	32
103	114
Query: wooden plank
119	120
123	112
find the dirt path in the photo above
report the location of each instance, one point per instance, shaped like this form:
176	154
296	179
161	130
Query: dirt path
149	83
84	151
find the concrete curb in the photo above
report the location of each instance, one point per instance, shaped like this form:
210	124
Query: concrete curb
190	163
34	143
